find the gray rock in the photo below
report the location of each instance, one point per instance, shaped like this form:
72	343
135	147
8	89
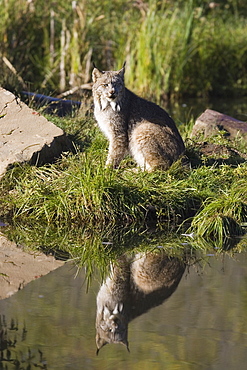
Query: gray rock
210	122
27	136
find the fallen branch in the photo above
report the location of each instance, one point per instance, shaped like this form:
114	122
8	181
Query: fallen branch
87	86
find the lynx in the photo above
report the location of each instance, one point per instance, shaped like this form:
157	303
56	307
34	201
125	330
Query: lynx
133	125
134	287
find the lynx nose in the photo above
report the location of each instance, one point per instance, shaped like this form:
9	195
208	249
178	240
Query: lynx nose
115	321
112	94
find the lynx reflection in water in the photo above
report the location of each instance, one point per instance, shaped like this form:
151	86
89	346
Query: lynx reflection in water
134	286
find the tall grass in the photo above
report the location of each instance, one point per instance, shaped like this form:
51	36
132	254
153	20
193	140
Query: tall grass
184	51
172	48
222	216
160	48
79	192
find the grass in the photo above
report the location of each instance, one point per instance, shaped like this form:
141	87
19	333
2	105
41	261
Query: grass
223	216
185	52
79	190
172	48
78	193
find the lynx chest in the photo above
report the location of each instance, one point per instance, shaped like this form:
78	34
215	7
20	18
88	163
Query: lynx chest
109	121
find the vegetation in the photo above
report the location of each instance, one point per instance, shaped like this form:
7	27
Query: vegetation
79	207
172	48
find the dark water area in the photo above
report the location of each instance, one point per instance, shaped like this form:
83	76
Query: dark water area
186	109
50	324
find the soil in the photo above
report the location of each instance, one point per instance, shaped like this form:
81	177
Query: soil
18	267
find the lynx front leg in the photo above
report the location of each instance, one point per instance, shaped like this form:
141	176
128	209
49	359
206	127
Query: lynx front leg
118	148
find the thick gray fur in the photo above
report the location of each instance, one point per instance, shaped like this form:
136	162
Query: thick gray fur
133	125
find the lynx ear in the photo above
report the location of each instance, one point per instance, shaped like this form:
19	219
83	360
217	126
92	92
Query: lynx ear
96	73
122	70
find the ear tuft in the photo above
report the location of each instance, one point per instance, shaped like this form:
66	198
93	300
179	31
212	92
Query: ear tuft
126	344
100	342
122	70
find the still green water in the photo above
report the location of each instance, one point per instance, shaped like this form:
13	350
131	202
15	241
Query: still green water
186	109
203	325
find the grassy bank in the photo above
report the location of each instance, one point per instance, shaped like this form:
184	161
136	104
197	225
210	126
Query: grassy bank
207	198
172	48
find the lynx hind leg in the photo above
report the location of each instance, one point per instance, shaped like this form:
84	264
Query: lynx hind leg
153	147
155	270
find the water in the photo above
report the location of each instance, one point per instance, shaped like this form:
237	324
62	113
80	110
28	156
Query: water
186	109
203	325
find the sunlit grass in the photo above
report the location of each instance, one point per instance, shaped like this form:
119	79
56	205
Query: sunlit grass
79	192
222	216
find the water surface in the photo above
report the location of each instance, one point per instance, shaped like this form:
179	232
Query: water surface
203	325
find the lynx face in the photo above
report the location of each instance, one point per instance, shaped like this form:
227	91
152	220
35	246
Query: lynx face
112	327
109	88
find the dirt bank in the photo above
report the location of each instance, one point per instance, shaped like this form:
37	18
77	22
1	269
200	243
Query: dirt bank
18	268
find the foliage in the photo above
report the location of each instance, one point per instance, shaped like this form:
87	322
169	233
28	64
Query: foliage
172	48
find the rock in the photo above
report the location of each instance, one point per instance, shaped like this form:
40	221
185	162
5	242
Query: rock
210	122
27	136
219	154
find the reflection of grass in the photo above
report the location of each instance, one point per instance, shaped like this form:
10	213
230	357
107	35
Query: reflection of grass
10	354
95	250
91	248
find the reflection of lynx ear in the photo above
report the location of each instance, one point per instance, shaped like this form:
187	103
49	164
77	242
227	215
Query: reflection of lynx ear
126	344
96	73
100	342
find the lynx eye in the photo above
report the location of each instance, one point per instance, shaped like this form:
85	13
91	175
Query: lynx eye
105	85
